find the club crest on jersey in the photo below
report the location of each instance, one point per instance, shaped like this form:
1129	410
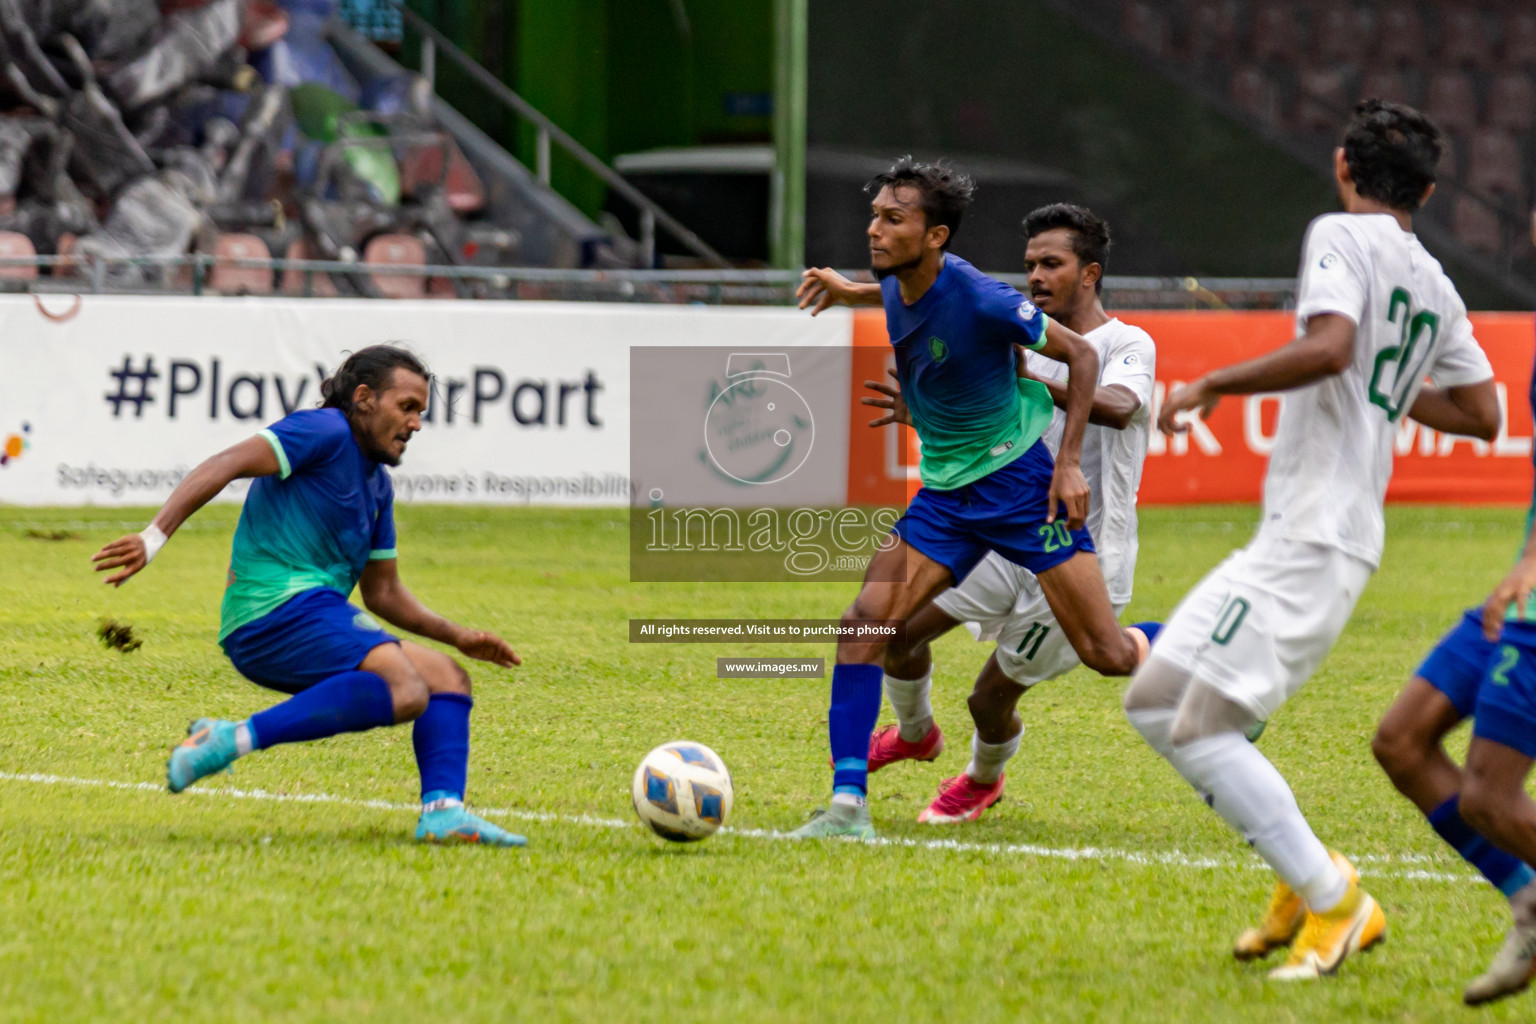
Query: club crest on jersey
1132	359
937	349
1329	261
1027	310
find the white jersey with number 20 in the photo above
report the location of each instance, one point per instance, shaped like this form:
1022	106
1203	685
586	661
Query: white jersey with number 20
1332	457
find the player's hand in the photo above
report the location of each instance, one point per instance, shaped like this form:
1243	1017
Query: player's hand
892	401
483	646
125	553
1513	589
1069	487
822	288
1196	395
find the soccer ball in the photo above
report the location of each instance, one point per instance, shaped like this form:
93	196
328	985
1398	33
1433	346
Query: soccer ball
682	791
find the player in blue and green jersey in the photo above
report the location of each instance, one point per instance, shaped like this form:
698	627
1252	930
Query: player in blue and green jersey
1485	668
989	482
319	521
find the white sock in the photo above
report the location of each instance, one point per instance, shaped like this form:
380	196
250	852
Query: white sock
847	800
988	759
1251	796
243	743
909	698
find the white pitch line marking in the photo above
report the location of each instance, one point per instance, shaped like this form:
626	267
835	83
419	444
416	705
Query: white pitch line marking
1169	858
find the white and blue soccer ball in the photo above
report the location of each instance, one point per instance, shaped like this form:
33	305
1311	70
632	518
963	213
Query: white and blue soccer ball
682	791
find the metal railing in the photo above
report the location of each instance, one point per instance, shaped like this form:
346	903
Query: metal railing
195	274
547	132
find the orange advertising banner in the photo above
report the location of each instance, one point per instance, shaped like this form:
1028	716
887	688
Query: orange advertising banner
1223	458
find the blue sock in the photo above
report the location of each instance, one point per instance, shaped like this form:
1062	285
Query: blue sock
441	739
1506	871
348	702
850	720
1151	629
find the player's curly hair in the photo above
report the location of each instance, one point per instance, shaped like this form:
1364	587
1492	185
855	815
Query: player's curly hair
1090	234
373	366
1392	151
945	191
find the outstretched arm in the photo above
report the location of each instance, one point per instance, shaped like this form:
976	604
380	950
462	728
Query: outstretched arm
1471	410
252	457
387	596
1067	484
1323	351
822	288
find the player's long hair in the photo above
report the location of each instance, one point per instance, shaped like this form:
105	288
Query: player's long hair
373	366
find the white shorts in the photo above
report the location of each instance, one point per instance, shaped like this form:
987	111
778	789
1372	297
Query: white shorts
1262	621
1001	601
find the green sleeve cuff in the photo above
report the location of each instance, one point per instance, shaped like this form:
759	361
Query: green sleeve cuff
380	554
284	470
1039	342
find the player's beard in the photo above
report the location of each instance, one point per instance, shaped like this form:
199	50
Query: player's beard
881	273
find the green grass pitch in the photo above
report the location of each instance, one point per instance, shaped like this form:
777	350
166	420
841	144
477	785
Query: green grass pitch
1100	889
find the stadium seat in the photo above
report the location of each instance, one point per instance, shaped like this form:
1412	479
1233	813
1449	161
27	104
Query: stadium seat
422	166
1511	102
1451	102
14	245
1212	32
1276	34
1322	97
1463	38
1145	25
1257	94
229	279
321	285
1337	30
1388	84
1519	48
1494	166
397	251
1400	38
1475	225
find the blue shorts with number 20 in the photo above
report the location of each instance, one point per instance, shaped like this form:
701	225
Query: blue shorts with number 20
1004	511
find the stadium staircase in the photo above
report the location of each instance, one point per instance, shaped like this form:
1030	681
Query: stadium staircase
1291	70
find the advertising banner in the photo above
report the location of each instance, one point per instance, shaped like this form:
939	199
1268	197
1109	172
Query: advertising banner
1223	458
111	400
114	404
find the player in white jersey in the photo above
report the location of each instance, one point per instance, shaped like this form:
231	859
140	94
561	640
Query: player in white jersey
1374	315
1067	250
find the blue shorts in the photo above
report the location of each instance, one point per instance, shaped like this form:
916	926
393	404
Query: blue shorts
1004	511
1459	661
1506	704
309	638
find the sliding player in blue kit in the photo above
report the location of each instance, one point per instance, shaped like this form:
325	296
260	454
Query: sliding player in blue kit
989	481
319	520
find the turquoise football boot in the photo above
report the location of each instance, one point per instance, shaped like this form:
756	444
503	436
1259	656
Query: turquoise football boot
208	748
446	821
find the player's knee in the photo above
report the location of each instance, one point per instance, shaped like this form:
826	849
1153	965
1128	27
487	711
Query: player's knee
410	698
1397	754
453	678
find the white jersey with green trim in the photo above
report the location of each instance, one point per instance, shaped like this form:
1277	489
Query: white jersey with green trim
1112	459
1332	455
